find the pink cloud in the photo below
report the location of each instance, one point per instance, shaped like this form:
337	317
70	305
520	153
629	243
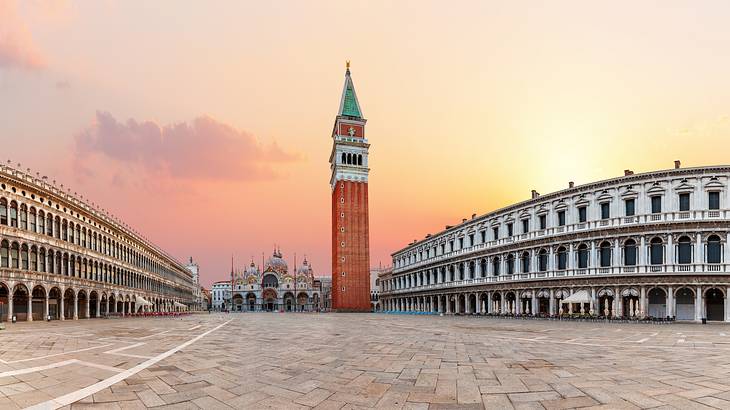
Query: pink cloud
203	149
17	48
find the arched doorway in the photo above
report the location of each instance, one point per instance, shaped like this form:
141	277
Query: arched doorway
685	303
54	303
605	303
104	300
20	302
112	303
82	312
39	302
303	301
511	301
715	304
93	298
630	301
68	304
237	303
543	302
288	301
269	298
472	303
251	302
657	303
483	303
3	302
526	302
497	303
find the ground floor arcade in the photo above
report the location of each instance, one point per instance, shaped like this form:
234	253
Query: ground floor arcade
691	302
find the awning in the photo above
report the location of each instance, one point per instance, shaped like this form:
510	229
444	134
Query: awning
140	301
580	296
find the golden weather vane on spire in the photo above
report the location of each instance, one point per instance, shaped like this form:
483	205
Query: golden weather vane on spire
347	64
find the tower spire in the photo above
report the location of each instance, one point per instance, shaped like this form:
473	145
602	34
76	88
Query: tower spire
349	105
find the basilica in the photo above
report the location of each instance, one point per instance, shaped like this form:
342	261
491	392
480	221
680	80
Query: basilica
271	288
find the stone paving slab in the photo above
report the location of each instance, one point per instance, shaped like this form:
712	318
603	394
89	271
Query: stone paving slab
357	361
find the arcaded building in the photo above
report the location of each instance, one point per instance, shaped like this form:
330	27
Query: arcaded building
61	258
636	246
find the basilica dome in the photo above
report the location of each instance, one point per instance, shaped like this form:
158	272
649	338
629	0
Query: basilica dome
276	263
305	269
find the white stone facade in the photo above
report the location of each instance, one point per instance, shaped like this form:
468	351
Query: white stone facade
61	258
652	244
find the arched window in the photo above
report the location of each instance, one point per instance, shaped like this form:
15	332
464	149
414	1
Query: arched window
14	214
49	224
525	262
495	266
34	258
714	249
656	250
31	219
3	211
582	256
5	254
510	264
42	260
543	260
483	267
349	159
57	227
562	258
14	255
344	158
24	257
684	250
605	254
71	232
23	217
359	159
630	253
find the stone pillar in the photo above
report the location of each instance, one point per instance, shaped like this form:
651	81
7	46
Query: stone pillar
45	308
107	305
642	251
479	304
670	252
670	302
552	301
62	315
699	308
10	305
642	303
98	306
518	303
76	306
534	303
448	304
727	305
87	303
594	305
29	316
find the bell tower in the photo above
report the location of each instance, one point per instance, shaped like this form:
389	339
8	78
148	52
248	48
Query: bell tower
349	183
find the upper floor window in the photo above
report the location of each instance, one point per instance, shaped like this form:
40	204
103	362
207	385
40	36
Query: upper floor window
3	212
543	222
656	204
510	264
495	232
684	202
525	225
451	246
630	253
461	243
656	251
542	260
605	254
471	240
561	218
713	199
582	214
509	229
630	205
582	256
483	235
525	262
562	258
605	210
714	249
684	248
443	248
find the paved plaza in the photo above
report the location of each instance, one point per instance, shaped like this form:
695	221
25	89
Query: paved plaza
345	361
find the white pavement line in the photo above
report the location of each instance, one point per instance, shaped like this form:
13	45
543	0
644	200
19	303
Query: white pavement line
72	397
642	340
117	351
37	369
101	366
30	359
156	334
195	327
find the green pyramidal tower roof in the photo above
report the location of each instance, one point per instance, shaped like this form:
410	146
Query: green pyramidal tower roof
349	106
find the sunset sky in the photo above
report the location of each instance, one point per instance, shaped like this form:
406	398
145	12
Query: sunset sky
206	125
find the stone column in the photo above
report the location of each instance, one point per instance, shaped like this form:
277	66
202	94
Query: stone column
594	305
670	301
76	306
552	301
107	305
727	305
518	303
98	306
642	303
534	303
448	304
62	315
87	311
699	311
29	316
478	304
10	305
